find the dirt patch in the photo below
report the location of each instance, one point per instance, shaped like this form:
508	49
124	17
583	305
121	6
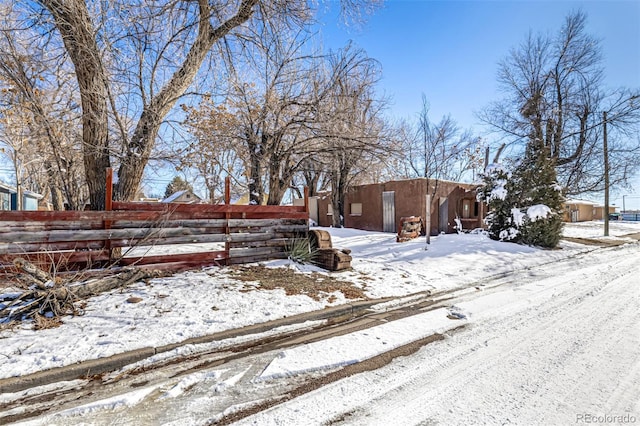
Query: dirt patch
314	285
635	236
595	242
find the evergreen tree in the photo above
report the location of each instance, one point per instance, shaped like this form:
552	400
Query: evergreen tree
177	184
538	196
498	193
526	206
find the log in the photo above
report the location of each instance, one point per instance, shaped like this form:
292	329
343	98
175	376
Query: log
102	285
31	269
59	299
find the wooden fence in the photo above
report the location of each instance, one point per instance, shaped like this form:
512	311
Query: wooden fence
137	233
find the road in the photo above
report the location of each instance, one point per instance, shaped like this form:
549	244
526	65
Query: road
556	346
547	345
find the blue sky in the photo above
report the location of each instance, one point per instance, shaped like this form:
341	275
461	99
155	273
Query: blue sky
449	50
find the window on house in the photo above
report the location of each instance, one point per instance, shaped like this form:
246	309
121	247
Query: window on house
355	209
329	210
476	209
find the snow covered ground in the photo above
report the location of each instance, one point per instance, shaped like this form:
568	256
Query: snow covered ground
198	303
524	336
557	348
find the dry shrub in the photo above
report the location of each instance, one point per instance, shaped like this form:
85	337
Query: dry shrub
41	322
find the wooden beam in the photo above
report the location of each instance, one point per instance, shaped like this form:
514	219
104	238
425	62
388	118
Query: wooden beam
210	257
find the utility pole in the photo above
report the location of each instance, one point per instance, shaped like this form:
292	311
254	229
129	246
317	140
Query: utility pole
606	175
427	221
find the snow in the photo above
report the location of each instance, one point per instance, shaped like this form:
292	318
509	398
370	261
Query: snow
198	303
550	349
174	196
500	191
518	216
538	211
503	322
358	346
595	229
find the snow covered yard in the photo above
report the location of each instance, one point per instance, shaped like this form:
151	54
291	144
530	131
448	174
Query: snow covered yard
198	303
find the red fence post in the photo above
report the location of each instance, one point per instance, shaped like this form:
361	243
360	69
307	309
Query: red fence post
227	190
306	199
227	231
108	206
108	201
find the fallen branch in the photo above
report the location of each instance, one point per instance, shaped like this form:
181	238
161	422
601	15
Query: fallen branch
48	297
103	285
38	276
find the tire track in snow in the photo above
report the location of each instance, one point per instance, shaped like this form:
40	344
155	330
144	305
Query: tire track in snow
557	348
548	329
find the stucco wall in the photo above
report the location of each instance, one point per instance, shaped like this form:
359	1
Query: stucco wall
410	200
585	211
370	196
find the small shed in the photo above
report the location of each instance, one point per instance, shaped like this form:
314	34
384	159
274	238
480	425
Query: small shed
30	200
599	210
5	196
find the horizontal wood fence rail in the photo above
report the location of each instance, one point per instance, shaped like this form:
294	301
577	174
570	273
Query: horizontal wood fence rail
134	233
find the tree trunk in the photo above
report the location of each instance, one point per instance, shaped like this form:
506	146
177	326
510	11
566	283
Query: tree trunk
256	193
78	34
338	192
57	200
278	181
77	31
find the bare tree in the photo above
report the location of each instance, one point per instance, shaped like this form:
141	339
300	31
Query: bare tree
274	110
554	88
214	152
353	129
288	114
437	150
35	117
134	60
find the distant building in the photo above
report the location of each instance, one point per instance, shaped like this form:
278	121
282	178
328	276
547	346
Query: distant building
584	210
185	197
9	198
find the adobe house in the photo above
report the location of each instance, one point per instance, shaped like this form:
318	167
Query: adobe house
380	206
320	209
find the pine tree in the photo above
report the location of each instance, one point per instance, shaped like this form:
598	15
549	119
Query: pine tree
177	184
538	196
498	193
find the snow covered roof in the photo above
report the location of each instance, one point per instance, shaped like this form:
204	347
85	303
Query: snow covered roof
576	201
7	188
12	190
176	195
171	198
